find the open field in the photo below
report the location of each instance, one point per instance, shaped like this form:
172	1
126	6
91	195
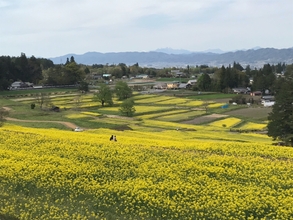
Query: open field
251	113
170	162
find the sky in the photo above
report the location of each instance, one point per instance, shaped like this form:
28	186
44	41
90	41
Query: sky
51	28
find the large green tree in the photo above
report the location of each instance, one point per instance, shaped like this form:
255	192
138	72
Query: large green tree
127	107
204	82
280	126
122	90
104	95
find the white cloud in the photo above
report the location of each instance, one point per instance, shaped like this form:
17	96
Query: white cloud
53	27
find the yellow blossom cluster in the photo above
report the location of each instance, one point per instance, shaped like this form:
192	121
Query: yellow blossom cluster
227	122
253	126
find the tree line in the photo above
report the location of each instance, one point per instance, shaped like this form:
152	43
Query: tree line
45	72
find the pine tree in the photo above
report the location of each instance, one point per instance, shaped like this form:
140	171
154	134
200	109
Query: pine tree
280	126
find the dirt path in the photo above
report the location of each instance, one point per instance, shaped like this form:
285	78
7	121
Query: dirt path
66	124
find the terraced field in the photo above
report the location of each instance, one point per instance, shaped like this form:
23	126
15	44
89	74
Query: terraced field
169	162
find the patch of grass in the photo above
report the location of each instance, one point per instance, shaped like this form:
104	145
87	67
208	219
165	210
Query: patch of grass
212	96
48	125
181	117
27	92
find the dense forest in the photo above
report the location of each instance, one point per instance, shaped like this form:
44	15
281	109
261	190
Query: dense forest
41	71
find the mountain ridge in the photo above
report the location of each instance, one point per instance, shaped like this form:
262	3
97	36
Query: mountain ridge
254	57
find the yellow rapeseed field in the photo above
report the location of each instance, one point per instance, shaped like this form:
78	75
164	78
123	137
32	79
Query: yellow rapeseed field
176	174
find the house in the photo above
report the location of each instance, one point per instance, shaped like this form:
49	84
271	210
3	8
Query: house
192	82
18	85
256	93
173	85
240	90
160	86
107	76
182	85
96	76
177	73
142	76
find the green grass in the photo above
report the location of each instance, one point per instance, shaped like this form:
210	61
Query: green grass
148	106
49	125
213	96
34	91
181	117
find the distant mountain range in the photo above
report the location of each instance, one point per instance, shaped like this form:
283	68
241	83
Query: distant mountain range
168	57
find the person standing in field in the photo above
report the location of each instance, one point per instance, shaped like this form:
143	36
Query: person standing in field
113	138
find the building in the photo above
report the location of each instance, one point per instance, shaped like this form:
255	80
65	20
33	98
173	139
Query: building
192	82
173	85
142	76
182	86
19	85
160	86
256	93
177	73
240	90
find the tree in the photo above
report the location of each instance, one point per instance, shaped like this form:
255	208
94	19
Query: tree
204	82
87	70
280	126
127	107
72	59
83	86
43	99
122	90
104	95
78	101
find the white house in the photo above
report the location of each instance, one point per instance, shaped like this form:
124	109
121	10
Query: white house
18	85
142	76
192	81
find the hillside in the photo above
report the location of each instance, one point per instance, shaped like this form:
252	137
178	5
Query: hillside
253	57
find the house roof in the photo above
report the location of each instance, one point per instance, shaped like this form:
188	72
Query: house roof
182	85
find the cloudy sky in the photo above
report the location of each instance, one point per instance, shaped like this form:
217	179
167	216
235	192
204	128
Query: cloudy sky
50	28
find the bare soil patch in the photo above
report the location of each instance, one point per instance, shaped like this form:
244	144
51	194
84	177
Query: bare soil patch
205	119
7	108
